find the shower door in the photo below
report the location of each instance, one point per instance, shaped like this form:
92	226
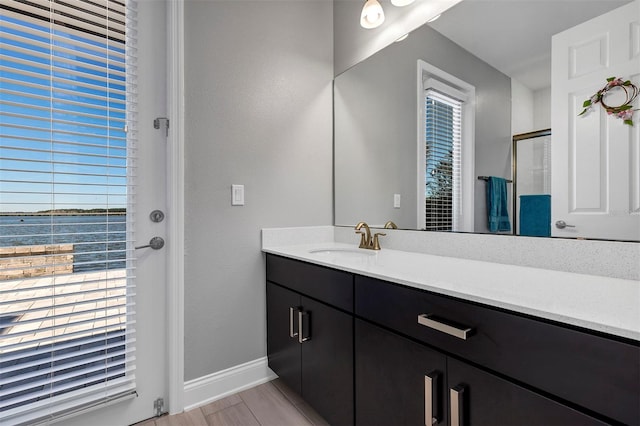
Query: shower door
531	169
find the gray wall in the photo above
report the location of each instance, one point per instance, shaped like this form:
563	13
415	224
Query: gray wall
258	111
376	130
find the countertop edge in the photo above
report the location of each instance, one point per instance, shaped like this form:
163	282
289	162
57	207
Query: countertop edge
301	252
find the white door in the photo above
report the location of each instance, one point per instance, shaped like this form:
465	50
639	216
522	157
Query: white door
595	157
150	299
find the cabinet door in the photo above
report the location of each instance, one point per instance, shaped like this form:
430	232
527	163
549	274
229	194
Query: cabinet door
283	350
479	398
327	361
398	382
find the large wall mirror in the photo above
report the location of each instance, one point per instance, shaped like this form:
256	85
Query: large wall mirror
494	57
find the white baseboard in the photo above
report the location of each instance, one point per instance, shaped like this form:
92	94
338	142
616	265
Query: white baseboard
212	387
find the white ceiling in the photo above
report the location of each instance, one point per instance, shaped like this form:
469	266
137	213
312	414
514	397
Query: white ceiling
514	36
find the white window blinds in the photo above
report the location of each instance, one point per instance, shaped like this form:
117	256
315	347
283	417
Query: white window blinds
67	163
443	124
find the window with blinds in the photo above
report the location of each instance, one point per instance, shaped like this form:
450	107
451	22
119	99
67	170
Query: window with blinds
443	124
67	162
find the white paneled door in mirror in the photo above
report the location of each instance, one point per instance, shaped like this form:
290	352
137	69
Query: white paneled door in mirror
596	156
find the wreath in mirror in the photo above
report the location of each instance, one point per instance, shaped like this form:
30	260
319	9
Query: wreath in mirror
623	111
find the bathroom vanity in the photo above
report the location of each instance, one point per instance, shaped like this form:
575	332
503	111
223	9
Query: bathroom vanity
365	342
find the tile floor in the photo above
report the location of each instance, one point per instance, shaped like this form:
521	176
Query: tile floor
269	404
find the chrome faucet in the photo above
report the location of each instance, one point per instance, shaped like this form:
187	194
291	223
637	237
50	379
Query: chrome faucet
366	242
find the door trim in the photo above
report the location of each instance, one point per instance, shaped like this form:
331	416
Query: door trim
175	218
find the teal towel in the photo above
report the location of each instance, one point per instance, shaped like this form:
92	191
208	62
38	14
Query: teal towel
535	215
497	210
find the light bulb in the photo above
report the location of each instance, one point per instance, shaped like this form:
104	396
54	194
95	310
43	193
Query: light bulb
401	3
372	15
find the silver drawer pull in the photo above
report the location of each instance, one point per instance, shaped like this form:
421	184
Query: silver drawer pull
428	321
292	313
431	385
456	395
301	337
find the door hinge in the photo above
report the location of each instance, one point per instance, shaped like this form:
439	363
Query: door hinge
156	123
158	405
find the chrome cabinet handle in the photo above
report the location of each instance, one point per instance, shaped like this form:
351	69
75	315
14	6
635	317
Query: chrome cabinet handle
428	320
431	386
456	395
561	224
301	337
292	313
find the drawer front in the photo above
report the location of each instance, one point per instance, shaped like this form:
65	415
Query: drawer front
327	285
592	371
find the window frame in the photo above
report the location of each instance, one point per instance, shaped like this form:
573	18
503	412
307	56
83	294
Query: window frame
431	77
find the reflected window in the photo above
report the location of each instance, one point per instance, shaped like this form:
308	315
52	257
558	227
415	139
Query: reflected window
443	115
446	129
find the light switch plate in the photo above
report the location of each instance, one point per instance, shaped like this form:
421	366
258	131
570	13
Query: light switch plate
237	195
396	201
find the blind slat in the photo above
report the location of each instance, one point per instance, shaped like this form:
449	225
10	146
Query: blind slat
43	376
63	105
61	346
61	388
14	348
78	27
80	117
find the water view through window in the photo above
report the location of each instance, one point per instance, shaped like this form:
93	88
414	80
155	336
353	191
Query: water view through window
99	240
66	304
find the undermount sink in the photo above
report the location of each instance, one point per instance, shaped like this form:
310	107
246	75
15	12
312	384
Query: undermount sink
344	253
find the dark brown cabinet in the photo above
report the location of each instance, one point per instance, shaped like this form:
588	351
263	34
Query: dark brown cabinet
591	371
401	382
365	351
310	343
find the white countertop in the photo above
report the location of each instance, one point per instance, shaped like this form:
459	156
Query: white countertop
609	305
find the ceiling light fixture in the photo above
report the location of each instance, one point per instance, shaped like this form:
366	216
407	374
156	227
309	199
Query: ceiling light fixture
404	37
434	18
401	3
372	15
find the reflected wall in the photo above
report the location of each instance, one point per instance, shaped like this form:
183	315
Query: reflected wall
376	128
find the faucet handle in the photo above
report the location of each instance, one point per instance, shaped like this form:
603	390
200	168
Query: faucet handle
376	242
363	239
